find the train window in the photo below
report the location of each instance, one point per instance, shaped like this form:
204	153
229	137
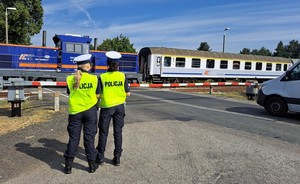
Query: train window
236	65
196	63
180	62
224	64
77	48
258	66
210	63
86	48
58	45
69	47
278	67
167	61
158	61
247	65
285	67
269	67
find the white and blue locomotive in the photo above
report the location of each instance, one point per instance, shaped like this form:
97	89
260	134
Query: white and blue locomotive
160	64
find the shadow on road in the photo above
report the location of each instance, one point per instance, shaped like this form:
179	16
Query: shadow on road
51	153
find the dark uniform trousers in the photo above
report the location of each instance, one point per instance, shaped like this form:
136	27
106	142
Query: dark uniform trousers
87	120
116	113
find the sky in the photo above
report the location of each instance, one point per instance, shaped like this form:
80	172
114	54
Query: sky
176	23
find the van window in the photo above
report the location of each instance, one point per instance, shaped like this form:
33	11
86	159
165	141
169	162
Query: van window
196	63
210	63
224	64
285	67
167	61
295	73
180	62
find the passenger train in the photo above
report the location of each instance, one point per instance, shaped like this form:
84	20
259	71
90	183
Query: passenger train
160	64
151	64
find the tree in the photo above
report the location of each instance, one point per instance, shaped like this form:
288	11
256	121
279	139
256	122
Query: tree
204	47
293	49
23	23
280	50
92	47
120	43
245	51
262	51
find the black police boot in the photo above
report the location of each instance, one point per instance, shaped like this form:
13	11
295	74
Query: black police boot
99	161
68	166
116	161
92	166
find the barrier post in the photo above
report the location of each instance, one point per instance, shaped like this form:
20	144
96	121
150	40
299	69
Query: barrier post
40	93
56	101
210	90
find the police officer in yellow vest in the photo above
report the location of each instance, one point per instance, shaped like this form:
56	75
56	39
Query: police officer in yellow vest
114	90
83	89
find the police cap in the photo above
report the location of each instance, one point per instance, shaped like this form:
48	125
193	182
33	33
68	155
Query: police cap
83	59
113	56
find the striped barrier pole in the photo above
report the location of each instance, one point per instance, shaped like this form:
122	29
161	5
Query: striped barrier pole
64	84
192	84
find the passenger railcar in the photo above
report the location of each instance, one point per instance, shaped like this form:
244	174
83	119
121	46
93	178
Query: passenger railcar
160	64
37	63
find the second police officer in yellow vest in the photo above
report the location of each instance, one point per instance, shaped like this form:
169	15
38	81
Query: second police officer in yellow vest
114	90
83	89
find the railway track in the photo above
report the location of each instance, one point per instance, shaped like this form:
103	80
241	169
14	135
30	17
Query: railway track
212	89
3	94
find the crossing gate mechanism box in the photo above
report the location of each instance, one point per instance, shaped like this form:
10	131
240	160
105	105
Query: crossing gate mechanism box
16	95
16	90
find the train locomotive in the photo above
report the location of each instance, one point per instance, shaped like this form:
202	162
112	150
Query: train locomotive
168	65
41	63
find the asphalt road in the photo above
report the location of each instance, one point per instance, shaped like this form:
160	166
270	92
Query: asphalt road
168	138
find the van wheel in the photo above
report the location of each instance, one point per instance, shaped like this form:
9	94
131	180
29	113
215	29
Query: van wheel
276	106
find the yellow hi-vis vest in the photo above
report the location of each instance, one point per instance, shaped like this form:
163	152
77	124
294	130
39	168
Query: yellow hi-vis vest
113	91
84	97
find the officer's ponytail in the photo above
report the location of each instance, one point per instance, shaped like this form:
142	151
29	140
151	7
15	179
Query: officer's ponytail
77	77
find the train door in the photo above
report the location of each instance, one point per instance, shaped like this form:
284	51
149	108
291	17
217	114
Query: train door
155	71
166	64
59	62
158	64
144	67
155	65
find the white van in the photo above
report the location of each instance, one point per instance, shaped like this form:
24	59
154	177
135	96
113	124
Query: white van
282	94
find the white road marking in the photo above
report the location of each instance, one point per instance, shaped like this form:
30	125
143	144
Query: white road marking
205	108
